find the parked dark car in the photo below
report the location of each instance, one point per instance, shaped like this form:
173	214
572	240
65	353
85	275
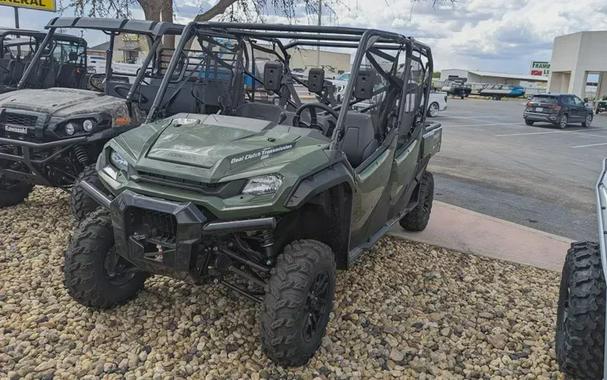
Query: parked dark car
601	106
557	109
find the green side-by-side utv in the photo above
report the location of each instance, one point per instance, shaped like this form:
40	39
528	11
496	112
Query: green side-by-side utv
269	195
580	324
51	136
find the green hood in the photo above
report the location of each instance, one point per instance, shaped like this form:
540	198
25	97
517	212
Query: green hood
214	146
206	142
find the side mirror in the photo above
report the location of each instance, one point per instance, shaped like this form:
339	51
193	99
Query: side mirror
272	76
586	100
316	80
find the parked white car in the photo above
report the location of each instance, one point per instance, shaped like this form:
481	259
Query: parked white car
437	103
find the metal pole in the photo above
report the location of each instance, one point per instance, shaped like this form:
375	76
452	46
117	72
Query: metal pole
16	17
319	24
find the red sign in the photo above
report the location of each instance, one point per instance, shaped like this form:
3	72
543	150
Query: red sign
538	73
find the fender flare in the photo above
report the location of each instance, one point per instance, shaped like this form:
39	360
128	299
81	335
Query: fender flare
319	182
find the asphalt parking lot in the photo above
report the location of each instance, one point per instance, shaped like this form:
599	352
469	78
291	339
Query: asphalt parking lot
541	176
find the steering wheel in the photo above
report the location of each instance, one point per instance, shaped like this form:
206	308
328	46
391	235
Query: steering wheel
311	107
96	81
123	90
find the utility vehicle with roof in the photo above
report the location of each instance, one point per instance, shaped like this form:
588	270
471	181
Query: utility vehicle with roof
52	136
581	313
270	195
65	65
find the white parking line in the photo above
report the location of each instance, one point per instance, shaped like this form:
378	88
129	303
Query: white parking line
485	125
589	145
577	132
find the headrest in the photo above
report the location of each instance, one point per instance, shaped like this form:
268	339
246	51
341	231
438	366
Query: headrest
316	80
365	81
272	76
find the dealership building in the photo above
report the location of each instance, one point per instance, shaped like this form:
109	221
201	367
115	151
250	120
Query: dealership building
480	79
579	59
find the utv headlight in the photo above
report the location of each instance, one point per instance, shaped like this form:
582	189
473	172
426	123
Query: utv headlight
70	128
265	184
88	125
118	161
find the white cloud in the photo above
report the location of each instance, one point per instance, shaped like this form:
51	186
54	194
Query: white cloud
497	35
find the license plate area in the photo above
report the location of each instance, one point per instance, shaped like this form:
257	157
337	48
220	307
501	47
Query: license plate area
15	129
539	109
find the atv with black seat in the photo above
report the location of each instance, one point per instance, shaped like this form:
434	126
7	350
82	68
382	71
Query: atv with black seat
270	195
17	48
52	136
580	323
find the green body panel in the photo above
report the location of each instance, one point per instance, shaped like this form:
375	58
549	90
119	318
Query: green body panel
215	149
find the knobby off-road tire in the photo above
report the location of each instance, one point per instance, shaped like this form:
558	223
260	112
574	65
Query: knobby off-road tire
297	303
580	325
80	203
86	276
13	193
417	219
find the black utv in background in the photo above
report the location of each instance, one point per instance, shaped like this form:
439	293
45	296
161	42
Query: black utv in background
52	136
557	109
60	68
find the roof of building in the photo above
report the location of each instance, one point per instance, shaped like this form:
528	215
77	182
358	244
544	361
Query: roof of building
102	47
527	77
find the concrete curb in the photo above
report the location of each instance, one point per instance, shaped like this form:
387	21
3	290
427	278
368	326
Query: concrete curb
472	232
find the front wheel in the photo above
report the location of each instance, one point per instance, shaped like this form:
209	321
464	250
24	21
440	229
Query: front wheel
580	322
12	193
417	219
80	203
586	123
433	109
298	302
94	274
529	122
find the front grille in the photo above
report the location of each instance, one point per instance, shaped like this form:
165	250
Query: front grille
152	224
222	189
19	119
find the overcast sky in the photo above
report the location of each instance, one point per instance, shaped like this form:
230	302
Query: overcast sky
495	35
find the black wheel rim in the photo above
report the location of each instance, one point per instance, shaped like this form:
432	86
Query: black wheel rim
117	270
316	306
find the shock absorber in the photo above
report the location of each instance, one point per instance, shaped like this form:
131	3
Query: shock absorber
267	243
81	155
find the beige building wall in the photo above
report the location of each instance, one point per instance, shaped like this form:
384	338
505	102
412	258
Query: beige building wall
574	56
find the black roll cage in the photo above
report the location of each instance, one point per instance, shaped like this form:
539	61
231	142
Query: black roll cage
363	40
154	30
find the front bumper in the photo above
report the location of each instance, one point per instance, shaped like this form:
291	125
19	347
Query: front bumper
176	246
536	116
27	151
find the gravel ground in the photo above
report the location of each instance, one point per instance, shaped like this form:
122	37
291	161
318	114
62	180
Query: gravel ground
406	310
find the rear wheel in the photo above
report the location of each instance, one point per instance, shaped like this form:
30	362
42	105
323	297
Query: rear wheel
12	193
433	109
94	274
80	203
529	122
580	324
298	302
586	123
563	121
417	219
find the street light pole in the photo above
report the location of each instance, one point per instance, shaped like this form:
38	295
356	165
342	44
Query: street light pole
319	24
16	17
